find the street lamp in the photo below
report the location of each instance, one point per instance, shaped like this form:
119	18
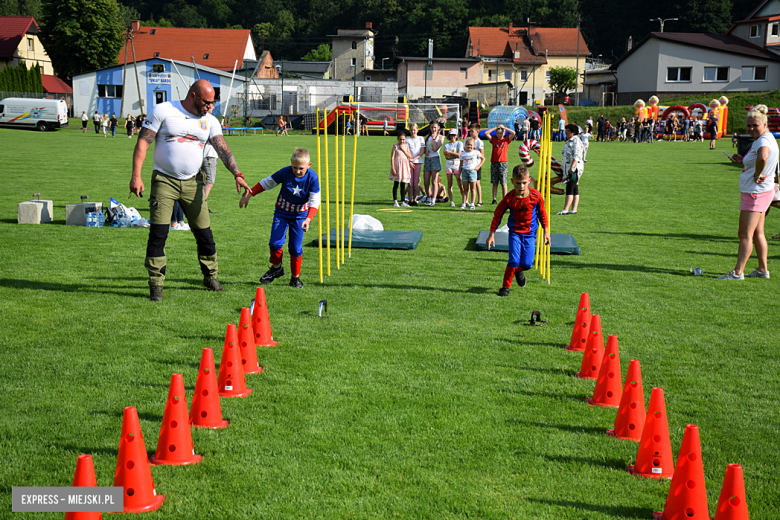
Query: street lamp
663	20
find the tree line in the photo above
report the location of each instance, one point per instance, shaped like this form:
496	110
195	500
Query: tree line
291	29
21	79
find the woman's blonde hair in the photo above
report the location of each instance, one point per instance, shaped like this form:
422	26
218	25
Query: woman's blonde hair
758	112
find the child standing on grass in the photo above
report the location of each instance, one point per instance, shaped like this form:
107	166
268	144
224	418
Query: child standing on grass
452	149
526	210
479	146
470	161
498	158
400	168
296	206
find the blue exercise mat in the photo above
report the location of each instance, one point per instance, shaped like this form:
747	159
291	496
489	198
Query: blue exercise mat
559	244
375	239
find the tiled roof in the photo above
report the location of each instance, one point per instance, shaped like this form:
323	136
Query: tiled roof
715	42
12	29
223	46
54	85
523	44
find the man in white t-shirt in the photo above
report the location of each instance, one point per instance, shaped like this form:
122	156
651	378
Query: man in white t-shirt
180	130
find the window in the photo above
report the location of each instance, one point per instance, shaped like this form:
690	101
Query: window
490	74
206	56
716	73
265	103
775	29
508	75
523	75
156	54
354	62
158	67
216	93
754	73
367	78
30	44
110	91
678	75
153	31
354	45
755	31
465	72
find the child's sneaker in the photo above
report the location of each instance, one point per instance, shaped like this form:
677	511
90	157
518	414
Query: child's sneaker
395	204
471	206
272	274
564	212
296	283
520	277
452	204
405	204
503	291
464	206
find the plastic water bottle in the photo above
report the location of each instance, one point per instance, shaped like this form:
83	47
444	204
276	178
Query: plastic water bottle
91	219
101	219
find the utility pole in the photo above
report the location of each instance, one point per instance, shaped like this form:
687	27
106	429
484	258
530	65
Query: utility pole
429	64
281	103
496	103
577	75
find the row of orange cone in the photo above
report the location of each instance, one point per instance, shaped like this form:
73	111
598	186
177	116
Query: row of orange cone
174	445
687	496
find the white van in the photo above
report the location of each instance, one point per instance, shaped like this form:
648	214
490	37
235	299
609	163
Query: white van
43	114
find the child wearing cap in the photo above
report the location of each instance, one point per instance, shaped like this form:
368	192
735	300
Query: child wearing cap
452	149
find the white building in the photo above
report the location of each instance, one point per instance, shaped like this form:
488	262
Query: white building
159	79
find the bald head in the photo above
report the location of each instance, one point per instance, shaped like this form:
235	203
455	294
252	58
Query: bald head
200	98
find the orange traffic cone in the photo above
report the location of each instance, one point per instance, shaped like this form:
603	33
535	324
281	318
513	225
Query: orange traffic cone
687	496
132	468
594	352
84	477
579	336
732	504
263	335
246	340
206	411
609	381
654	456
231	381
174	446
630	418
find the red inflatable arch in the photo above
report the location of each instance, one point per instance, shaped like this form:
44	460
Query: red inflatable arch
673	109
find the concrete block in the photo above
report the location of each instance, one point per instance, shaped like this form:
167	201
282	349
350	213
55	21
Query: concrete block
35	212
76	214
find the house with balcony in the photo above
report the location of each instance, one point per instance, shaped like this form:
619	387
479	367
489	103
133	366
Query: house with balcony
522	57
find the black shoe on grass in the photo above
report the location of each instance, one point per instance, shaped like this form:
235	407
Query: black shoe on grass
155	293
296	283
272	274
212	284
520	277
503	291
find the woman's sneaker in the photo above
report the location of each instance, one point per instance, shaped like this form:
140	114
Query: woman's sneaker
405	204
758	274
731	275
395	204
272	274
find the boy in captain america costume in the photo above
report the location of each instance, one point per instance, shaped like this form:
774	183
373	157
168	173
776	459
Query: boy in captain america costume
296	206
526	209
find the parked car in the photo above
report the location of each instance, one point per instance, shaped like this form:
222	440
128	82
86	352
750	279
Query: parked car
556	99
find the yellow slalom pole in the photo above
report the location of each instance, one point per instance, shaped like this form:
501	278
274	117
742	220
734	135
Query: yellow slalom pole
319	213
540	178
547	204
343	179
327	184
336	198
352	195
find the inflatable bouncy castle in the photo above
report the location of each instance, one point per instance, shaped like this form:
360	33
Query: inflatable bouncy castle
641	111
717	110
652	110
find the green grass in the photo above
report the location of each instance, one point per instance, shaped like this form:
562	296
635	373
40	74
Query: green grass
421	395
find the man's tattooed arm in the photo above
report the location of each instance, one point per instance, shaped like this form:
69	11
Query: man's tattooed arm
222	149
147	135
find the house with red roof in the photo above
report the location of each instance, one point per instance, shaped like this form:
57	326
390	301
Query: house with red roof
521	57
19	43
668	64
220	49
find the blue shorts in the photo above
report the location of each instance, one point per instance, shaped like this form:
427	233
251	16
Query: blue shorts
468	175
432	163
278	229
522	247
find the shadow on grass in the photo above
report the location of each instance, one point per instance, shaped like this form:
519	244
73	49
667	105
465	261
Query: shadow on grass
113	452
579	398
13	283
143	416
470	290
682	236
630	267
615	511
16	221
573	428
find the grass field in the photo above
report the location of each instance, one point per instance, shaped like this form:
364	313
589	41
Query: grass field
421	395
